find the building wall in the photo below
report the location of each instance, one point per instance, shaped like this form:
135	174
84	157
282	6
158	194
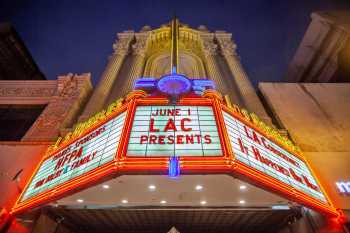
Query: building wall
323	53
14	157
317	118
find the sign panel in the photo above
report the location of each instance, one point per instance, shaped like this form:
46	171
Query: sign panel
255	150
89	152
343	187
174	131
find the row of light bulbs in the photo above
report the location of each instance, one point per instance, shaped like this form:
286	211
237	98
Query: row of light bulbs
152	187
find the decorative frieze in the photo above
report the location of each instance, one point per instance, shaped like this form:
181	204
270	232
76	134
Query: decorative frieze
26	91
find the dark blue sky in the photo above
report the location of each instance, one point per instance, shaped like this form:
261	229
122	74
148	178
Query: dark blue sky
77	36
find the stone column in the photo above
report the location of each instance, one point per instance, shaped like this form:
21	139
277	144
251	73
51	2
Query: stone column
210	50
247	92
137	64
101	92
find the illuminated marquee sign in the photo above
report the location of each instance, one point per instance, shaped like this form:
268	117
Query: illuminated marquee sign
174	131
91	151
194	134
255	150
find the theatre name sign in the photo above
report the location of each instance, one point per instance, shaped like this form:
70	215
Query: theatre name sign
140	133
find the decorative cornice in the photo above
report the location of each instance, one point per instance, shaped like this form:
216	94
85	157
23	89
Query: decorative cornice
25	143
27	88
26	91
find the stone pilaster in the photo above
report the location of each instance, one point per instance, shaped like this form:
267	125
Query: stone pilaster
100	94
138	62
62	109
210	51
246	90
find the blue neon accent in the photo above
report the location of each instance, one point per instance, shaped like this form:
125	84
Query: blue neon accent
173	70
174	167
145	83
204	83
174	84
198	88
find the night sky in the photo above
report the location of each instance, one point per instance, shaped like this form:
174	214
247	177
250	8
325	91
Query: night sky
77	36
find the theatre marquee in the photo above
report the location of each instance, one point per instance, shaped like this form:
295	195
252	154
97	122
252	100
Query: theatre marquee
139	135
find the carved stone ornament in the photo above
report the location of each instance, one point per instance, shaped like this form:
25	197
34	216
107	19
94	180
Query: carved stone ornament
68	94
52	116
121	46
209	48
139	48
227	46
69	87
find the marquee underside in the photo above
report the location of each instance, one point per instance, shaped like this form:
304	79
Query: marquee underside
216	190
190	220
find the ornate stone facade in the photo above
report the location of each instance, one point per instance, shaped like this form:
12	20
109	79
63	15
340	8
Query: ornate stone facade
121	49
203	54
246	90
